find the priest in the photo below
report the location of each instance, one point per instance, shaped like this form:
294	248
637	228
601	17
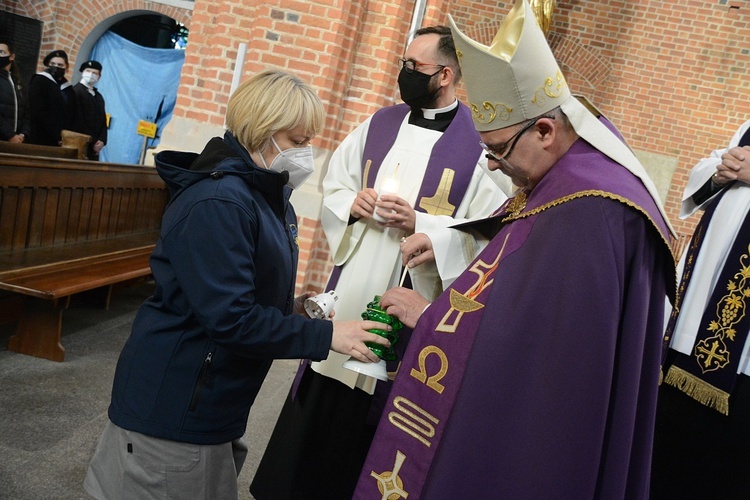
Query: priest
535	374
704	405
417	166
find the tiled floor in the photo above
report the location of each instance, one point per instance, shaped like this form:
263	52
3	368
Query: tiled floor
51	414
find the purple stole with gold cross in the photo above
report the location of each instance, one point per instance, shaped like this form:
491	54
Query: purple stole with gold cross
451	166
449	170
451	162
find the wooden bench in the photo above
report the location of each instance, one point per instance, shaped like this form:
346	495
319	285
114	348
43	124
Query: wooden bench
38	150
70	226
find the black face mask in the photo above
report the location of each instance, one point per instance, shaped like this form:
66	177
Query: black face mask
4	61
415	88
57	73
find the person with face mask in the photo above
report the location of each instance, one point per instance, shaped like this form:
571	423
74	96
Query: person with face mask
415	166
89	114
547	348
223	307
14	118
50	100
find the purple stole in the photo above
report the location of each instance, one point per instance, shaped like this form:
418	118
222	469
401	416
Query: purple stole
422	398
458	149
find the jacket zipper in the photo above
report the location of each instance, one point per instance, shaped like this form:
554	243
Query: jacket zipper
290	240
201	381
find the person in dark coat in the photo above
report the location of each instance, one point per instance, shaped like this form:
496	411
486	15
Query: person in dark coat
89	115
14	119
50	100
224	306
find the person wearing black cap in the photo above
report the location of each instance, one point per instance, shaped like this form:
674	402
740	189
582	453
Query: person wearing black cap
89	116
50	100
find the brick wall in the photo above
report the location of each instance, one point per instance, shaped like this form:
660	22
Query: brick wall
346	51
67	23
672	75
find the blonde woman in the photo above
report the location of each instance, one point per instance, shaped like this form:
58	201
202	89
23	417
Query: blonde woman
223	307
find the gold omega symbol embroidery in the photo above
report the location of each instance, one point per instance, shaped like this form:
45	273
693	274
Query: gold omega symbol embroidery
433	382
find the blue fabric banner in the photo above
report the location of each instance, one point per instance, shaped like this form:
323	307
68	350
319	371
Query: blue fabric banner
138	83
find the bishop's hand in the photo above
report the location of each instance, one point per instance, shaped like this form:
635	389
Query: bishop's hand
405	304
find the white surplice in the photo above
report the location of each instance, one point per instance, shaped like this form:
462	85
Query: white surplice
720	234
370	252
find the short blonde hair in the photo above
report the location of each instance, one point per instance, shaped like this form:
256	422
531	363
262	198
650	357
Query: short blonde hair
270	101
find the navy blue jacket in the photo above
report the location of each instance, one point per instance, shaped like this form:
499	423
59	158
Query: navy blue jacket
224	268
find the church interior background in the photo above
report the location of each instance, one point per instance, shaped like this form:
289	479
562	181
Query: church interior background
673	76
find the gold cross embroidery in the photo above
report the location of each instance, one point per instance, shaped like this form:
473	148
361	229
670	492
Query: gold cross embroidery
438	203
715	355
389	483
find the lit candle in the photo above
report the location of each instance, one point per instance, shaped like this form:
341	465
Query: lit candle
389	186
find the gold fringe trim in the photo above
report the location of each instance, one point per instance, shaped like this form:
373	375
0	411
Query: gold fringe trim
698	389
612	196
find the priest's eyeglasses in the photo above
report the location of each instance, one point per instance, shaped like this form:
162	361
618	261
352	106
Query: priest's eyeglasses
412	66
502	152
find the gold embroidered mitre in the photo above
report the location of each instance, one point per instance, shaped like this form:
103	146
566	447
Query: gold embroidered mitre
516	78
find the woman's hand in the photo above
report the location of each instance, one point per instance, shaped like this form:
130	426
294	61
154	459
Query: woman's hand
349	338
299	303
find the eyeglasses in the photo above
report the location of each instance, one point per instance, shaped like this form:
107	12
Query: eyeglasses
57	65
412	66
502	152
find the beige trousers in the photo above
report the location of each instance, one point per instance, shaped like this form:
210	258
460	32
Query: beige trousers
130	465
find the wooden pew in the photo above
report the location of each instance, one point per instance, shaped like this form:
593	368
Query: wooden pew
71	226
38	150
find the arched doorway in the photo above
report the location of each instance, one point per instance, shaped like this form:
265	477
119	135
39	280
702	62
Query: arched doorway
141	56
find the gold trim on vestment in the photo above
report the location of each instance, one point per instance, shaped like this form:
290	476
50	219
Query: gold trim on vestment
601	194
698	389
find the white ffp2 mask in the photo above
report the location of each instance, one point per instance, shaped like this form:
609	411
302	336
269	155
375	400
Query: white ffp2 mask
298	162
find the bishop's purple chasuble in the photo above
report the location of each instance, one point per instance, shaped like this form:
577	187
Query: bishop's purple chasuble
535	374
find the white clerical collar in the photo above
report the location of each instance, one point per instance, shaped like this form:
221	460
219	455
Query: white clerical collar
430	114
